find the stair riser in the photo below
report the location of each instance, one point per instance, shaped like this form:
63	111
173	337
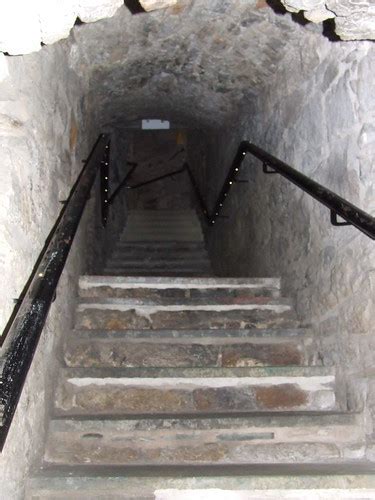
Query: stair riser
157	274
252	446
204	294
159	257
160	246
113	319
119	354
80	396
165	262
164	267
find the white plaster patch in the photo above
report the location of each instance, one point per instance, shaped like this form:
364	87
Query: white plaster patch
318	383
148	310
87	282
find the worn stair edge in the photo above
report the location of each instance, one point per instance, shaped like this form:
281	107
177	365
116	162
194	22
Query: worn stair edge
190	391
198	353
277	482
115	444
125	304
86	281
253	334
263	374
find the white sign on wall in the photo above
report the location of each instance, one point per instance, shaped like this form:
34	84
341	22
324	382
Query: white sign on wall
155	125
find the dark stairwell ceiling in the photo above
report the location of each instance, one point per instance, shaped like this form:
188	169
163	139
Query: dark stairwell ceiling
199	63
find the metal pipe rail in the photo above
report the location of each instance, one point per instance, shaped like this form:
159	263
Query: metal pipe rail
20	338
337	205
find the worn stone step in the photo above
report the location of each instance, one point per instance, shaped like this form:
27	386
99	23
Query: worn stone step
165	255
253	482
166	234
194	391
185	352
176	260
173	237
178	225
217	441
129	313
299	335
161	228
162	266
209	288
161	246
156	274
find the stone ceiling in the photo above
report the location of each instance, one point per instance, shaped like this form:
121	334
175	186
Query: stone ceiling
192	61
197	61
25	25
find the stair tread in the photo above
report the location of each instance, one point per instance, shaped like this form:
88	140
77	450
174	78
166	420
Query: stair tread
207	374
147	281
193	335
191	423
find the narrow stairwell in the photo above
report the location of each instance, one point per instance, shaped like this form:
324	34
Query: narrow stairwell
160	243
175	382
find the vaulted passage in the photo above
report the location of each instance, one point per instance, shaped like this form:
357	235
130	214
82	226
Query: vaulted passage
212	331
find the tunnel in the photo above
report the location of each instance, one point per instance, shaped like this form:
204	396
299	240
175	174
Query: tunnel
177	86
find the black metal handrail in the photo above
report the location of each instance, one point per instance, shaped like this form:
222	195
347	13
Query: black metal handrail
22	333
337	205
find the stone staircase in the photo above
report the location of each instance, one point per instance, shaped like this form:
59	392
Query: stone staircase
183	388
160	243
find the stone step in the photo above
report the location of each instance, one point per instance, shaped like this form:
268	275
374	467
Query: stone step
212	441
297	335
157	274
163	224
194	391
161	246
257	482
122	314
160	229
158	261
174	266
161	212
184	352
189	288
173	237
158	255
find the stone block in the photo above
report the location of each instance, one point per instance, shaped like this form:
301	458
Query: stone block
19	28
56	20
196	395
150	5
92	10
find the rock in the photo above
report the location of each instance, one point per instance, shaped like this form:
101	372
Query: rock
56	20
19	28
356	27
92	10
150	5
319	15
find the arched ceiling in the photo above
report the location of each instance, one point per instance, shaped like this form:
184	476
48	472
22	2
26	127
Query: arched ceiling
198	62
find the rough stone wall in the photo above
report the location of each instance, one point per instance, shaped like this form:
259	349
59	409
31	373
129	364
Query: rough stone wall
44	135
354	19
317	115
